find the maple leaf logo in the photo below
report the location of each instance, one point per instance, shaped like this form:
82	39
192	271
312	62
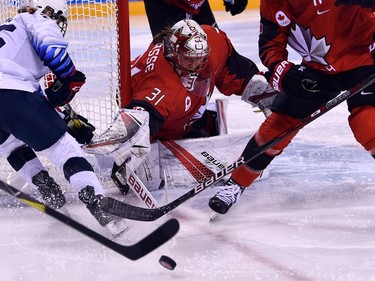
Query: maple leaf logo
312	49
280	17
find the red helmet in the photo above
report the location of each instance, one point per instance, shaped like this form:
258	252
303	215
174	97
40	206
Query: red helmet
187	47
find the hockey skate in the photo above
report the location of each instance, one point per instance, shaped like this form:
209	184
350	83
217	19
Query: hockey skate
115	225
51	192
225	197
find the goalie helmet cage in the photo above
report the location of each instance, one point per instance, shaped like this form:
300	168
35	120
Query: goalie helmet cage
99	44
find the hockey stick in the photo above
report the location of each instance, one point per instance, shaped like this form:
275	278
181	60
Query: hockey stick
158	237
125	176
72	114
122	209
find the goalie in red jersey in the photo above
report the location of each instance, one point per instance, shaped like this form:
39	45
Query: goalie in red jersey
175	78
336	42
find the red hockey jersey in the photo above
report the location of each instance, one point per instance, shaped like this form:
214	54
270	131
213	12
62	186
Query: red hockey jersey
189	6
328	38
156	86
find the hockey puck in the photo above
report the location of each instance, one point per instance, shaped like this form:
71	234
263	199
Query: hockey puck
167	262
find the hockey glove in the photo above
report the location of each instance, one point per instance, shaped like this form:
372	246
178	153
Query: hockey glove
79	128
63	90
235	6
260	94
363	3
293	79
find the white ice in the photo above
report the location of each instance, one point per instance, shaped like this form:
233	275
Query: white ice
312	220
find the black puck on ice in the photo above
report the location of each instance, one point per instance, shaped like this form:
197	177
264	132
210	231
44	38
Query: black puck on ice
167	262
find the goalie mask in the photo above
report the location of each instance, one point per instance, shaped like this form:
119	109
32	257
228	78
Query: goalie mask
55	9
187	48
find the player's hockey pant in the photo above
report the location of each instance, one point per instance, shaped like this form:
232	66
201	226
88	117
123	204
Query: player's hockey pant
362	123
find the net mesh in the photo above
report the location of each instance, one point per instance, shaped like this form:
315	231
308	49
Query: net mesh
93	45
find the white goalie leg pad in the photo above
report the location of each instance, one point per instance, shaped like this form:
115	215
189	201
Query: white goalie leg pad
140	189
149	170
127	139
221	108
191	159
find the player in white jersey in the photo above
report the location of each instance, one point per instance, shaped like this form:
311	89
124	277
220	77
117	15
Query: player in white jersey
31	45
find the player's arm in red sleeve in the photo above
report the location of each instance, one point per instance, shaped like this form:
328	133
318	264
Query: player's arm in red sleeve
233	71
272	38
275	22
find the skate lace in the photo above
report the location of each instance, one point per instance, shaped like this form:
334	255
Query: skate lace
228	194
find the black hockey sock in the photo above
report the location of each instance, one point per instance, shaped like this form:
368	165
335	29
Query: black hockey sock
260	162
18	157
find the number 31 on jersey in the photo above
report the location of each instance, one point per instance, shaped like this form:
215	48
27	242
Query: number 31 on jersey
155	97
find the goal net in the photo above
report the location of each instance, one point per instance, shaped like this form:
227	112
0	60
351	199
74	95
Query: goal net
98	39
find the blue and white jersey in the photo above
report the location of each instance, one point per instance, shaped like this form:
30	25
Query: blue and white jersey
30	46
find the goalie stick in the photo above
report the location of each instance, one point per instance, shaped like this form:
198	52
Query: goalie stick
124	210
133	252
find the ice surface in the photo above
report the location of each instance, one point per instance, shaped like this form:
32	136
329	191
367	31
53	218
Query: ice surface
312	220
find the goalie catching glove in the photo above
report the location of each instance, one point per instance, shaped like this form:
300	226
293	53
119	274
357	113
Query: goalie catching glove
63	90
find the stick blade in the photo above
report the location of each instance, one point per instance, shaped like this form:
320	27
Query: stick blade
121	209
154	240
